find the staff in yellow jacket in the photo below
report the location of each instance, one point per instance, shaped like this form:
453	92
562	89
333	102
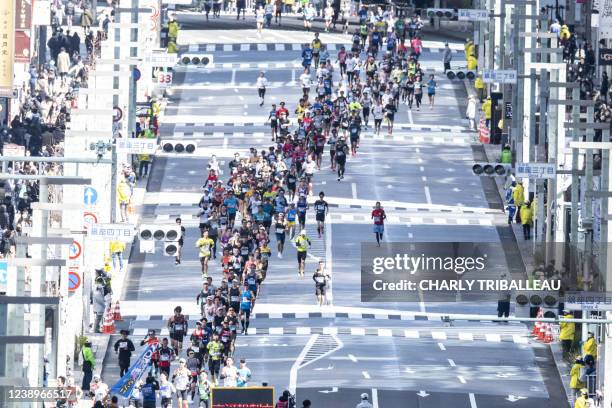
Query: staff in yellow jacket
567	332
526	220
589	348
486	109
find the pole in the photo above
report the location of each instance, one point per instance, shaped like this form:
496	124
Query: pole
574	191
588	210
544	90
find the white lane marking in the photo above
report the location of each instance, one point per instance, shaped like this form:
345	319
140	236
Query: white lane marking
466	336
461	379
421	168
452	362
411	334
236	90
423	178
441	346
241	97
354	190
233	81
473	400
410	117
366	375
418	150
438	335
298	362
410	235
225	142
493	337
352	358
329	261
374	398
519	339
427	195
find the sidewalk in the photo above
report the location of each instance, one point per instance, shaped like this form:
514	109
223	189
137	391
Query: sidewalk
492	153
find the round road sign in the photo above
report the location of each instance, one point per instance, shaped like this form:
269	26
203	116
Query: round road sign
74	280
75	250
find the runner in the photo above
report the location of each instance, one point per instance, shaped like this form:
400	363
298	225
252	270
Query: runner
261	84
302	207
379	217
166	356
321	277
205	244
280	228
321	210
354	130
307	55
431	90
166	389
291	216
302	243
181	378
181	242
378	114
260	15
177	325
246	305
215	352
316	48
341	152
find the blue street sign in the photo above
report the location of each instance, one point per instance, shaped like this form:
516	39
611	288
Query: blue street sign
3	272
90	196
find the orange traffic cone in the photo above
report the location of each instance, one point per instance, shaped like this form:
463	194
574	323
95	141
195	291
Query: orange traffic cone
542	332
536	327
117	313
548	337
109	324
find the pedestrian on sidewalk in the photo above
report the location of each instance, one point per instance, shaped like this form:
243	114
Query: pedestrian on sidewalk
99	304
89	363
447	57
470	112
124	347
116	249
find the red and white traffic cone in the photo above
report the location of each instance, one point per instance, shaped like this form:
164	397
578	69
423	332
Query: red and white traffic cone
548	337
109	324
536	327
117	313
542	333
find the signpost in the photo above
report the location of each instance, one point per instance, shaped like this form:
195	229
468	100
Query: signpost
536	170
111	232
507	76
136	146
160	59
473	15
90	196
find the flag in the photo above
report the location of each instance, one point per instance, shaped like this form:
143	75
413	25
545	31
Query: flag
126	384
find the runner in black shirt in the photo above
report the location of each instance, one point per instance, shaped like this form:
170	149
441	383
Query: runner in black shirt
341	152
321	210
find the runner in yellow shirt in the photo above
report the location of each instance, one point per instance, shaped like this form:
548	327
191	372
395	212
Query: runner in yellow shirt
205	244
302	243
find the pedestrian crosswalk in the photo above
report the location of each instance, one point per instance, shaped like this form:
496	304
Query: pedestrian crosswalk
191	219
280	47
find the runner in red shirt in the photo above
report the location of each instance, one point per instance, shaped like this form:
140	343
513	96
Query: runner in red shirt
379	216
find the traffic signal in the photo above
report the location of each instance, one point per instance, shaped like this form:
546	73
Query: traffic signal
159	233
178	146
450	14
527	304
491	169
170	248
461	73
192	59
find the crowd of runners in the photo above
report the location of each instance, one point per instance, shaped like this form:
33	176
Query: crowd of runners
264	202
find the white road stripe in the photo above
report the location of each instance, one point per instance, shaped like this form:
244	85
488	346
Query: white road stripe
441	346
473	401
354	190
366	375
438	335
466	336
461	379
374	398
427	194
493	337
452	362
352	358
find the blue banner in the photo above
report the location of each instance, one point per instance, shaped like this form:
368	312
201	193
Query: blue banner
127	383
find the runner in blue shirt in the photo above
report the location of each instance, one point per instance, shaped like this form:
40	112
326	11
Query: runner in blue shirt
306	56
231	203
291	215
246	302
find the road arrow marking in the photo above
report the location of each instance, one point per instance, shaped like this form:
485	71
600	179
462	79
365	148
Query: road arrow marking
334	389
514	398
329	367
422	393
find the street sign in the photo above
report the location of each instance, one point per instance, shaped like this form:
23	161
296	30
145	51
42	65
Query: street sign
111	232
136	74
160	59
75	250
74	280
89	219
118	114
136	146
90	196
3	272
605	56
536	170
507	76
164	79
473	15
